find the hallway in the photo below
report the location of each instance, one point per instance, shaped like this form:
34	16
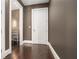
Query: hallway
43	29
31	51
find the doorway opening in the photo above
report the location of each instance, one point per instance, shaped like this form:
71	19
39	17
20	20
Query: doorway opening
16	24
15	28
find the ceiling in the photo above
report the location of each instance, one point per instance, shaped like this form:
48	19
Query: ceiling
14	4
31	2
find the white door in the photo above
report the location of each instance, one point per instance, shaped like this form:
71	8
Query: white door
40	25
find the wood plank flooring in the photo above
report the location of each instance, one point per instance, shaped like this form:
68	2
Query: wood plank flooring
31	51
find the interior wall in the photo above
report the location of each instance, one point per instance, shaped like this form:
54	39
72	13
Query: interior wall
27	23
63	27
27	13
7	6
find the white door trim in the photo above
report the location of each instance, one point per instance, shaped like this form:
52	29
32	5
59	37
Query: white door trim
3	29
20	22
19	6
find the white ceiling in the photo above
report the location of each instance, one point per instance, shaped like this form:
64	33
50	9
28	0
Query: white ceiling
31	2
14	4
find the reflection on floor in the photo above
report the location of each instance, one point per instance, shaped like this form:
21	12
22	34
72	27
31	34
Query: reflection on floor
31	51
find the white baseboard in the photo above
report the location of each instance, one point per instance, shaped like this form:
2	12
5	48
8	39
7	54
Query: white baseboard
53	51
7	52
29	41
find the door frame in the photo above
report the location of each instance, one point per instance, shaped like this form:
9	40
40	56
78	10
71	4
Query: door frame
20	22
20	8
3	29
4	52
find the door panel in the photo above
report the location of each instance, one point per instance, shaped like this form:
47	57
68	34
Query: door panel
34	26
40	25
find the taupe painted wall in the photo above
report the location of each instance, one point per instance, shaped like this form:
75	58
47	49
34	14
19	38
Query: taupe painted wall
6	24
27	23
27	13
63	27
15	16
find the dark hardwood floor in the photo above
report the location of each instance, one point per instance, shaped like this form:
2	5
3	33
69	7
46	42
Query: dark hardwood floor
31	51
